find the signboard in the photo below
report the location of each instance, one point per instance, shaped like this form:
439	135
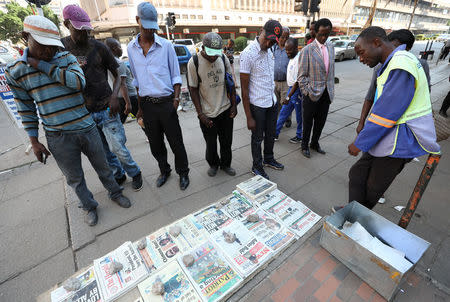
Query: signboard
243	30
7	98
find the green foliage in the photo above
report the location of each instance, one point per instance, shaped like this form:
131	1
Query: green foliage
240	43
11	23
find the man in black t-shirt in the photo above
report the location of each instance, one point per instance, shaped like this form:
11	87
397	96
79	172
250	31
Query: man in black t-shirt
96	60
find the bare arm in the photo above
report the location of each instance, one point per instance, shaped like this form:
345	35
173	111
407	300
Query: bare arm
176	95
364	113
124	90
245	79
113	101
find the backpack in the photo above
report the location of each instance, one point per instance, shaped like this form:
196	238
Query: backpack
229	82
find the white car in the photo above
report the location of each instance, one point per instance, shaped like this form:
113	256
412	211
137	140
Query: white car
189	43
344	49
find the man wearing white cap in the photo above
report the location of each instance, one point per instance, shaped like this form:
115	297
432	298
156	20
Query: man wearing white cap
52	81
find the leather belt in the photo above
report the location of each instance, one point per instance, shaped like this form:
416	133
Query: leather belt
159	100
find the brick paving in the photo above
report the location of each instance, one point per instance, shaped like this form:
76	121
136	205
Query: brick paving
311	274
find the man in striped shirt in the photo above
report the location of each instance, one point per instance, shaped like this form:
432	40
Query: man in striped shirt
52	82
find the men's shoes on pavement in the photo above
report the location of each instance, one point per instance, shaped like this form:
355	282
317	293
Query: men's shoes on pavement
260	172
137	182
295	140
276	138
212	171
318	149
230	171
162	179
91	217
273	164
122	201
184	182
121	180
306	153
288	124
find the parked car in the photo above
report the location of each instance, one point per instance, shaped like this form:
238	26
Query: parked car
336	38
198	47
189	43
443	37
344	49
8	55
354	37
183	55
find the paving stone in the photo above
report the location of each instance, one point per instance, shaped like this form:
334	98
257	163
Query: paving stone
286	290
341	271
261	291
348	286
364	291
327	289
306	290
284	272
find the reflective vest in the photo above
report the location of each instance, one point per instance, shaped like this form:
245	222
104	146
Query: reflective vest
418	116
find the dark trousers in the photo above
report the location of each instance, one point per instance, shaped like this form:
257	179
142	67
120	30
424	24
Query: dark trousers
223	129
66	148
371	176
446	103
314	113
266	123
160	119
134	107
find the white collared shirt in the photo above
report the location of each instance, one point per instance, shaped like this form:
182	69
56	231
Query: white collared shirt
292	71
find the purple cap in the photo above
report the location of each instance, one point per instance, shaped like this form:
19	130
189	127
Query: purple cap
77	16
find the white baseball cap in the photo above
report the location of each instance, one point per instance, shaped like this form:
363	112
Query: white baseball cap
42	30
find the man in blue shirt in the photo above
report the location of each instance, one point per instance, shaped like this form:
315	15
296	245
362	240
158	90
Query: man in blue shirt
156	73
280	67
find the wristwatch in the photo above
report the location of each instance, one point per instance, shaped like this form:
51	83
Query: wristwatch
287	98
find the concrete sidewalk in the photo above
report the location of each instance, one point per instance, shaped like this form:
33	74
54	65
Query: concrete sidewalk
43	238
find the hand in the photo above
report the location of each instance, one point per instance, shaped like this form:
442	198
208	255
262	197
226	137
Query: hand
353	150
176	102
205	120
114	106
251	124
139	114
233	111
33	62
359	128
40	151
127	108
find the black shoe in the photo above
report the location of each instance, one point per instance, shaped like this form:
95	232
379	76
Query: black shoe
121	180
122	201
184	182
260	172
295	140
276	138
306	153
212	171
288	124
317	149
273	164
91	217
230	171
162	179
137	182
443	113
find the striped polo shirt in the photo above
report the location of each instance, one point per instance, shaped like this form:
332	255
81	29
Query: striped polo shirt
55	89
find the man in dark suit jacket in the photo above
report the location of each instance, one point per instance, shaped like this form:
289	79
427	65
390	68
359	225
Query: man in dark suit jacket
316	81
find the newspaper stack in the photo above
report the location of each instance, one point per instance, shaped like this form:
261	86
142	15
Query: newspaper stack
212	276
237	206
192	233
88	290
133	272
246	253
177	287
294	214
256	187
212	219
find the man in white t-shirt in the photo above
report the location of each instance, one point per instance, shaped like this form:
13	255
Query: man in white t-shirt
293	99
206	78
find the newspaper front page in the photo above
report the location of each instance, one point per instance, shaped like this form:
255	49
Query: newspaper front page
88	292
256	186
212	219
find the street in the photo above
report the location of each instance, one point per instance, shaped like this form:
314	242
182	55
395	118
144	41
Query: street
43	239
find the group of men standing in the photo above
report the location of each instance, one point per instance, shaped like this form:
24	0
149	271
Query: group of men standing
82	113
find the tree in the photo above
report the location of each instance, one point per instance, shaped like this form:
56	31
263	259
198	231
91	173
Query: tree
240	43
11	23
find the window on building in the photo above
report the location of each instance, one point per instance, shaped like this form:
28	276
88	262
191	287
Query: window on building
193	17
200	17
184	16
214	17
177	16
250	18
260	18
227	17
287	20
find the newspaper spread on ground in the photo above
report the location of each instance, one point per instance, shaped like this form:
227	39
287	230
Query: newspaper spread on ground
246	253
212	219
256	186
177	287
294	214
133	271
192	233
213	277
238	206
160	249
270	230
88	291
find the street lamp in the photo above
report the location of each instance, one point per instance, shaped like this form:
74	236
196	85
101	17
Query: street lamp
38	4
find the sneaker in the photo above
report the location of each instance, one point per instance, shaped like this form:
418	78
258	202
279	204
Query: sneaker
212	171
273	164
122	201
336	208
121	180
260	172
230	171
91	217
276	138
137	182
295	140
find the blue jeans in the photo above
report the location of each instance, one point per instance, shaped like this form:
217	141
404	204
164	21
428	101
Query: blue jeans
285	112
66	148
113	137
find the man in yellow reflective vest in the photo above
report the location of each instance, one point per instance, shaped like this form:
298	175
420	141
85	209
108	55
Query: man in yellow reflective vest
400	125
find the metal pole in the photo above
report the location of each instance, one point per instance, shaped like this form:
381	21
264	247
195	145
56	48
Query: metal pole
412	15
420	187
167	32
